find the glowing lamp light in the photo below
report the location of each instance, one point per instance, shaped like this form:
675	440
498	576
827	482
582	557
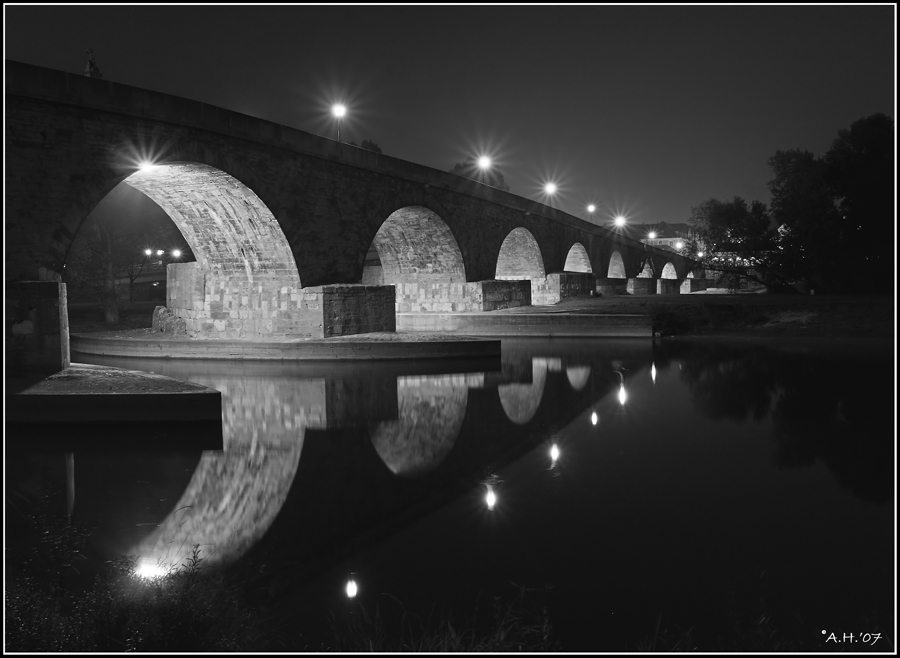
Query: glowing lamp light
622	395
550	188
591	207
594	418
620	221
338	110
160	252
679	245
149	570
653	372
484	162
148	252
352	589
490	498
146	165
699	254
652	235
176	253
554	452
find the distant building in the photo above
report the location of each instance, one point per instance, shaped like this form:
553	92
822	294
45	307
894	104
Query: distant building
664	235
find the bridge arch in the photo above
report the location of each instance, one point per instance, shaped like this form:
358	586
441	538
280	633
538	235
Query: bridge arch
668	271
415	251
577	259
616	266
647	270
520	259
245	267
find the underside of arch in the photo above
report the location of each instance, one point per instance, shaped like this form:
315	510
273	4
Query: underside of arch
245	271
578	260
520	259
616	266
415	251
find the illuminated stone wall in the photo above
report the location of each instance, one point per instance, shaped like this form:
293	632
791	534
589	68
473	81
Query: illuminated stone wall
224	309
563	285
641	286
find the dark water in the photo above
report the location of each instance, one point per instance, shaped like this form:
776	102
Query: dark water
737	481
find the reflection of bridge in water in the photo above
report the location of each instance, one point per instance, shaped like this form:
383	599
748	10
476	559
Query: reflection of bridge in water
378	443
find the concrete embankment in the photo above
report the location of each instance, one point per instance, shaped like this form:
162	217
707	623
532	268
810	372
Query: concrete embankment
89	407
368	347
547	323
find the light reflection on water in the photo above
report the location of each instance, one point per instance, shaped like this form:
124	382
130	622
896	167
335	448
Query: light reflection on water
727	462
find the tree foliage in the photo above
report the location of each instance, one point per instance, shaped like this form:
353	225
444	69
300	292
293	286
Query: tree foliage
491	176
830	224
369	145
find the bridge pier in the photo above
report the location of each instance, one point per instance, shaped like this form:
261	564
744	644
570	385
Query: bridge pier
641	286
37	331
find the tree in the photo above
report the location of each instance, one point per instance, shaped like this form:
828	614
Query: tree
491	176
833	216
369	145
738	241
859	172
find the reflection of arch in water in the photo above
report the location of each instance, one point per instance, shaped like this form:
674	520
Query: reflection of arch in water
235	494
578	376
521	401
430	414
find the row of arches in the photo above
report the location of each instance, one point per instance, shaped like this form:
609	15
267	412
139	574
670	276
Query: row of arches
246	272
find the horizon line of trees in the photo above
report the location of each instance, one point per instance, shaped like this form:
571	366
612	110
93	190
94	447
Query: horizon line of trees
830	224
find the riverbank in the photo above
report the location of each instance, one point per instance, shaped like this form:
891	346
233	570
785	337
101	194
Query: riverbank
710	313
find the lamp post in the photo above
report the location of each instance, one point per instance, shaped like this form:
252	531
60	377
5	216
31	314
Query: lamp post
338	110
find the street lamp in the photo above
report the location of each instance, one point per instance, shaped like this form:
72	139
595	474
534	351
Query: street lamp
338	110
550	188
484	163
619	220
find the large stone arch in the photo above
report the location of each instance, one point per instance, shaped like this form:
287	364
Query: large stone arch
520	259
577	259
616	268
416	252
668	271
245	271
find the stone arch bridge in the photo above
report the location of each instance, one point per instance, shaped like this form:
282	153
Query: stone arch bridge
294	234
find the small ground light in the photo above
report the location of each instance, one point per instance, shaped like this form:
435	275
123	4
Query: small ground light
554	452
490	498
176	253
352	588
594	418
160	252
623	396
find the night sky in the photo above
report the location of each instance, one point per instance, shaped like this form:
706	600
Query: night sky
643	110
